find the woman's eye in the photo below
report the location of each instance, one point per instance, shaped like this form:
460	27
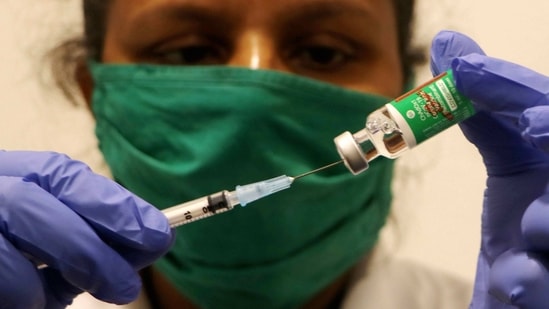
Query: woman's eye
193	55
321	56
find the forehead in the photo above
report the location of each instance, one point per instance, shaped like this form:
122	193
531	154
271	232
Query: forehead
378	12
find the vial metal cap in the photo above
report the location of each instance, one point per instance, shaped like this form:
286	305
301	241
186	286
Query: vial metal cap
350	151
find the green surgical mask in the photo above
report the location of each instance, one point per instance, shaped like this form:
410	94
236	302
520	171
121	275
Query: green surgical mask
173	134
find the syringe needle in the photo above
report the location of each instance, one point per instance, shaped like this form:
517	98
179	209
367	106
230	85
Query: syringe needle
317	170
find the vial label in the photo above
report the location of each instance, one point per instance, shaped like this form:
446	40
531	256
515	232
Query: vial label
431	108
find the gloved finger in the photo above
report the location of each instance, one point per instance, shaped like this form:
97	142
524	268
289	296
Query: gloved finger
37	223
20	285
534	125
448	45
137	229
521	279
498	86
59	292
504	208
501	91
501	145
535	229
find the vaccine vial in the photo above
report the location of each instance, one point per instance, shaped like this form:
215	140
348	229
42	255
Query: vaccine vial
405	122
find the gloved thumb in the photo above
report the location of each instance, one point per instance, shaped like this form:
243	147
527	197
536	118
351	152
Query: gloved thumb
448	45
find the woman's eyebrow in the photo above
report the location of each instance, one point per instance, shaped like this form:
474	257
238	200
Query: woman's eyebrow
319	10
183	11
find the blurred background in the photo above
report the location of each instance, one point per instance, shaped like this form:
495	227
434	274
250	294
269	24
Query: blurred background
439	187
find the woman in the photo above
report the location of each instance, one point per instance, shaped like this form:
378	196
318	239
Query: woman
171	132
261	257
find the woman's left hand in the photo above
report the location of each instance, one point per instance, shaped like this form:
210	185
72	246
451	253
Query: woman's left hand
511	131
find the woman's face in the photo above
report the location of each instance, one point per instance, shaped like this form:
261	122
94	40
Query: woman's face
350	43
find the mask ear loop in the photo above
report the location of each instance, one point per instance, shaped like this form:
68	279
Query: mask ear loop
409	84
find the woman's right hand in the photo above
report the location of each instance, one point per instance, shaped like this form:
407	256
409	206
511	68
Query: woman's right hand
92	233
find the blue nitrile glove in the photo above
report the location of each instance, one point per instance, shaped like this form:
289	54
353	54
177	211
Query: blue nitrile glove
511	131
93	234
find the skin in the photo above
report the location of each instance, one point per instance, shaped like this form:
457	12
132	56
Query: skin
350	43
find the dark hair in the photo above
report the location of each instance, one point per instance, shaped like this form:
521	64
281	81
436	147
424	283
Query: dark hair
70	54
410	55
95	21
67	58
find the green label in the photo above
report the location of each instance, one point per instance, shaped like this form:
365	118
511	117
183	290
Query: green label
433	107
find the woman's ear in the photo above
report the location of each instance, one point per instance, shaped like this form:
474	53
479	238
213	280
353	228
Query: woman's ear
84	80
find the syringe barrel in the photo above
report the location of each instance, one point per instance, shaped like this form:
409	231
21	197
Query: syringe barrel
187	212
198	209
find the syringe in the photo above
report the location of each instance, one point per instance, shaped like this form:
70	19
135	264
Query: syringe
225	200
222	201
